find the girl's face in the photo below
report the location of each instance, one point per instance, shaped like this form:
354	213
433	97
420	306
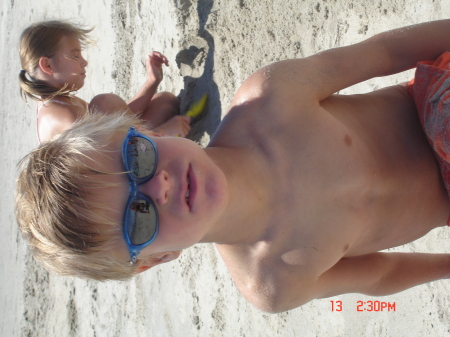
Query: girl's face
68	65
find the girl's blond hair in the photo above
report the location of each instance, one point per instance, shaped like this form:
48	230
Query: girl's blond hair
55	205
41	39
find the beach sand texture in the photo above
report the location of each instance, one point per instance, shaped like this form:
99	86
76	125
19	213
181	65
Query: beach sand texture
212	46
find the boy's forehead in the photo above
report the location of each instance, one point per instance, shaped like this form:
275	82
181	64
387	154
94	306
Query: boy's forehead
109	157
110	190
110	161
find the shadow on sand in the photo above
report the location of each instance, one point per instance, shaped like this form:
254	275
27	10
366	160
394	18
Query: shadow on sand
196	64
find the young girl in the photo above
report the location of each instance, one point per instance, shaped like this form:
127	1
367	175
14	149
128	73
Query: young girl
53	68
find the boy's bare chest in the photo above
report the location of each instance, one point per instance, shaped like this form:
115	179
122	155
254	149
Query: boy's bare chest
354	178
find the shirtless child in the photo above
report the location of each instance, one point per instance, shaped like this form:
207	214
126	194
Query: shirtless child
53	69
299	188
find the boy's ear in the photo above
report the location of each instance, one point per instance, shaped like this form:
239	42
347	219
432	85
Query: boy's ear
45	65
155	259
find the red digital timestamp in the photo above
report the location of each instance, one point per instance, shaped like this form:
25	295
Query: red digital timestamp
366	306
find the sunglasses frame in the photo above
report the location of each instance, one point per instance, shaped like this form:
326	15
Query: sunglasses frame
135	194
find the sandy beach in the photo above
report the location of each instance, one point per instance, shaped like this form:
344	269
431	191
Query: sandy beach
212	46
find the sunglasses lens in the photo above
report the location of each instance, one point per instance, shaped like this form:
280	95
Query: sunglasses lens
140	157
142	220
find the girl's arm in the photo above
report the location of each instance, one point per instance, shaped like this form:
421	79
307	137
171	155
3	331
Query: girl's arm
154	62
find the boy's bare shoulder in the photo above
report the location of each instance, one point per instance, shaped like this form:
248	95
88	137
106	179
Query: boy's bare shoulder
263	106
276	81
270	282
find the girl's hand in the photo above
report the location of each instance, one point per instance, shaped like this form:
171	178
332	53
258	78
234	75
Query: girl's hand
154	64
177	126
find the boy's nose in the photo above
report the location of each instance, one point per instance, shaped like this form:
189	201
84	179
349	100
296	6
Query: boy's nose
157	188
84	63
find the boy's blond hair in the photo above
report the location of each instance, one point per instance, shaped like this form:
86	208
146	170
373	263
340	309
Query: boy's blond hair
53	200
41	39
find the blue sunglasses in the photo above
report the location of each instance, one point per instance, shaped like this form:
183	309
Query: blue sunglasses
140	223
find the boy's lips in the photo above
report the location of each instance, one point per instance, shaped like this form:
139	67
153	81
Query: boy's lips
191	187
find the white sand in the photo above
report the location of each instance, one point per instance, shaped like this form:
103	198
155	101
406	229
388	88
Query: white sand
217	44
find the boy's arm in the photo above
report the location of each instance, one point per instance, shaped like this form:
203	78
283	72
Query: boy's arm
376	274
325	73
154	62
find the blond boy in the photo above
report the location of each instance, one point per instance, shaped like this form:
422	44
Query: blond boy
299	188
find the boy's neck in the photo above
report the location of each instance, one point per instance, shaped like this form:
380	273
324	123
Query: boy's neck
242	221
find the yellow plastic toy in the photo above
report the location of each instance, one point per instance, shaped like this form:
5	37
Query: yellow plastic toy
198	107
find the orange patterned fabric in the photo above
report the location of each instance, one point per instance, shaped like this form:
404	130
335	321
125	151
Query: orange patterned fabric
430	90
